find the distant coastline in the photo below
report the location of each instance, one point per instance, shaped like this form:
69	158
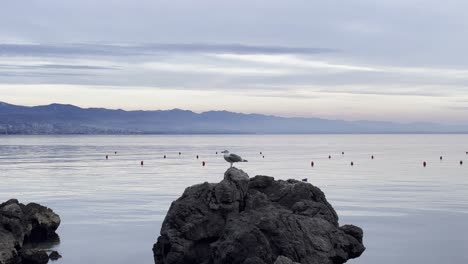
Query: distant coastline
61	119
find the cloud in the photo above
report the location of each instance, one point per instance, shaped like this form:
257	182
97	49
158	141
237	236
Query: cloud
146	49
298	62
213	69
53	66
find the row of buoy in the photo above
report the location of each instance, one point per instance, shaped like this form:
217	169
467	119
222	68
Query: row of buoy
142	163
425	163
329	157
312	164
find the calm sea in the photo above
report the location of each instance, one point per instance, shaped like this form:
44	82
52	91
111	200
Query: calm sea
112	209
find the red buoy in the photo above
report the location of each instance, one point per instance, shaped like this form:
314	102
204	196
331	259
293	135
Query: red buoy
107	156
372	157
352	163
311	163
141	163
424	164
164	156
461	162
329	156
203	163
197	156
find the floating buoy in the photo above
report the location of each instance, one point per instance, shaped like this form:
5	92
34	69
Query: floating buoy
180	153
263	156
329	156
141	163
440	157
197	156
216	152
203	163
461	162
342	153
372	157
424	164
352	163
164	156
311	163
115	153
260	153
304	180
107	156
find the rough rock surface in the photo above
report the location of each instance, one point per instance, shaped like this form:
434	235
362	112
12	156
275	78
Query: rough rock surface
21	224
258	220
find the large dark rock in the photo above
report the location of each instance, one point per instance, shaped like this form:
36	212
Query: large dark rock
20	224
258	220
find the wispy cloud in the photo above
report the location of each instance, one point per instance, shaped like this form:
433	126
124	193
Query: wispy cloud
53	66
213	69
146	49
298	62
292	61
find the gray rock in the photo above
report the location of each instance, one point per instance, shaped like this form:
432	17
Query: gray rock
284	260
20	224
258	220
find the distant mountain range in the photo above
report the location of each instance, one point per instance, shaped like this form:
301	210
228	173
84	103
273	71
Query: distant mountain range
69	119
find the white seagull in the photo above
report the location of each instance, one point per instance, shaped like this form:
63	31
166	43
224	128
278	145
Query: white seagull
232	158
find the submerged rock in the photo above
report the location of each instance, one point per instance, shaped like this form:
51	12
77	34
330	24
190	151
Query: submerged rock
54	255
21	224
258	220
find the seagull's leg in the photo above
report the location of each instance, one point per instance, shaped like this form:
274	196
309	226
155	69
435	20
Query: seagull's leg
231	164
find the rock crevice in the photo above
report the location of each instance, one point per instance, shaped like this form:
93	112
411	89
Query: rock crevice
257	220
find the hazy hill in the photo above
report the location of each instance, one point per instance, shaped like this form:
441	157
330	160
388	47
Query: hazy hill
69	119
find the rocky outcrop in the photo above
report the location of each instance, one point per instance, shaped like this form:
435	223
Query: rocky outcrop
258	220
25	224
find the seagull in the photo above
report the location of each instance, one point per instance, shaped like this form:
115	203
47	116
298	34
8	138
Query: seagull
232	158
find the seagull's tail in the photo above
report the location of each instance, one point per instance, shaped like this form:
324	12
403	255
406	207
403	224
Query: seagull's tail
245	161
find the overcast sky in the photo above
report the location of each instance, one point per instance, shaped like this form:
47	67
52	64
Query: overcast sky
355	60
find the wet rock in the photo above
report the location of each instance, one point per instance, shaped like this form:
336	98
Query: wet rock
258	220
30	256
21	224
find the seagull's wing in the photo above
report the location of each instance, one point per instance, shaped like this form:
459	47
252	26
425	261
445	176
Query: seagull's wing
235	158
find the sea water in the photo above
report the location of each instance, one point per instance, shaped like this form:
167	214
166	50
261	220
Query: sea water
112	209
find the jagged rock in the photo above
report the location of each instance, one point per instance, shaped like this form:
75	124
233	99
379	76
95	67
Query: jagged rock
20	224
258	220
